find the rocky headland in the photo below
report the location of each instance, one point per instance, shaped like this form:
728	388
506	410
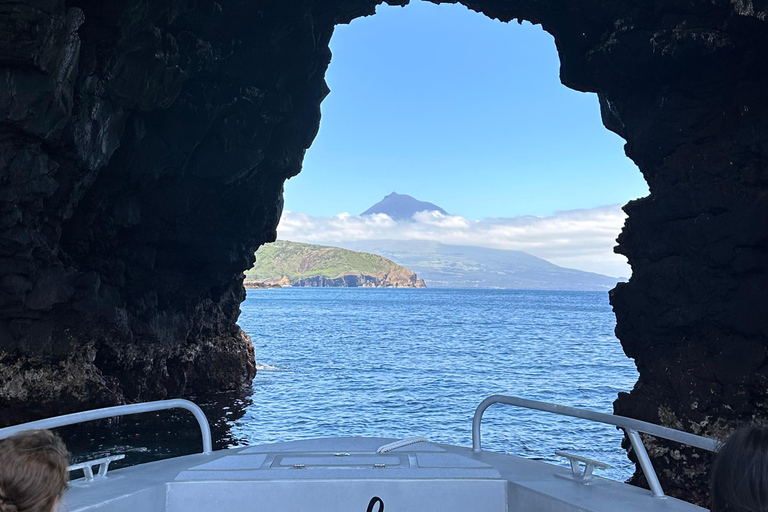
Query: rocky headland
285	263
259	284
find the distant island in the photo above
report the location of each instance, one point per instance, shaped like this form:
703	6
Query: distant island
395	263
465	266
285	263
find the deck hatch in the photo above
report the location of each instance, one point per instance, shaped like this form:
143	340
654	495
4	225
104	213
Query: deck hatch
234	462
448	460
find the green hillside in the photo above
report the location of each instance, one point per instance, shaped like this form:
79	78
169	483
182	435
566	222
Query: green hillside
296	261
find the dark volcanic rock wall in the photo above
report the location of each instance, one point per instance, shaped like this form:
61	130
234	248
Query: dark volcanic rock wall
695	314
143	147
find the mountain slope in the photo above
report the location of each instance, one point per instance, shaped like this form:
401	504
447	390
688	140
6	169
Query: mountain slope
297	264
401	207
458	266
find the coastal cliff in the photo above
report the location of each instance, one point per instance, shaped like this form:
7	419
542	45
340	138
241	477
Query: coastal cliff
144	146
284	263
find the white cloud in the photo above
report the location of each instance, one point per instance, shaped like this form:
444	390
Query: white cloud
581	239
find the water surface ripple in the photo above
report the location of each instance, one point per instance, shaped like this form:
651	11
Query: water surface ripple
406	362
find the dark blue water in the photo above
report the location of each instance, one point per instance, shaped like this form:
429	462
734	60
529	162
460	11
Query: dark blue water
405	362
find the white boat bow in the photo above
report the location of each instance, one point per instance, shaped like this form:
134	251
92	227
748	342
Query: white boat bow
360	474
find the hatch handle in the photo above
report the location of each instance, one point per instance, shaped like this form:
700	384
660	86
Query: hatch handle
401	443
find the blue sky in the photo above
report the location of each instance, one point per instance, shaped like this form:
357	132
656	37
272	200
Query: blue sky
446	105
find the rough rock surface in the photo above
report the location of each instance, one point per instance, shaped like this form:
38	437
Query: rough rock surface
396	279
135	134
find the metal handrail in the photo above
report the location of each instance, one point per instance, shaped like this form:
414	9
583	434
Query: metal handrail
631	427
118	410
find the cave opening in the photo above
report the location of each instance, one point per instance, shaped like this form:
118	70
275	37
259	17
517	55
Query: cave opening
423	98
427	96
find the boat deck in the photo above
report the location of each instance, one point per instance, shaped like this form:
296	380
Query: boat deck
344	474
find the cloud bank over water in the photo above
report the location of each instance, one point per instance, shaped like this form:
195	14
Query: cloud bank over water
580	239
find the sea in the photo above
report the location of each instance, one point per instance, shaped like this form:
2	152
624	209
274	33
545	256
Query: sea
410	362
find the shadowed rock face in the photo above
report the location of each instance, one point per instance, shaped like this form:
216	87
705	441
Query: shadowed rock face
143	147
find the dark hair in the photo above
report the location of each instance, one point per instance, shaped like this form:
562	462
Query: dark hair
33	471
740	472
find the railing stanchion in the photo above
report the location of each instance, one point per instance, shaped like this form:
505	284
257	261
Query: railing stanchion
631	427
645	463
477	419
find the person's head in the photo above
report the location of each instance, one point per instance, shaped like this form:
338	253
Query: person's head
740	472
33	471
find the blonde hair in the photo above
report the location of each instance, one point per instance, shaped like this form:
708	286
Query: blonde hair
33	471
